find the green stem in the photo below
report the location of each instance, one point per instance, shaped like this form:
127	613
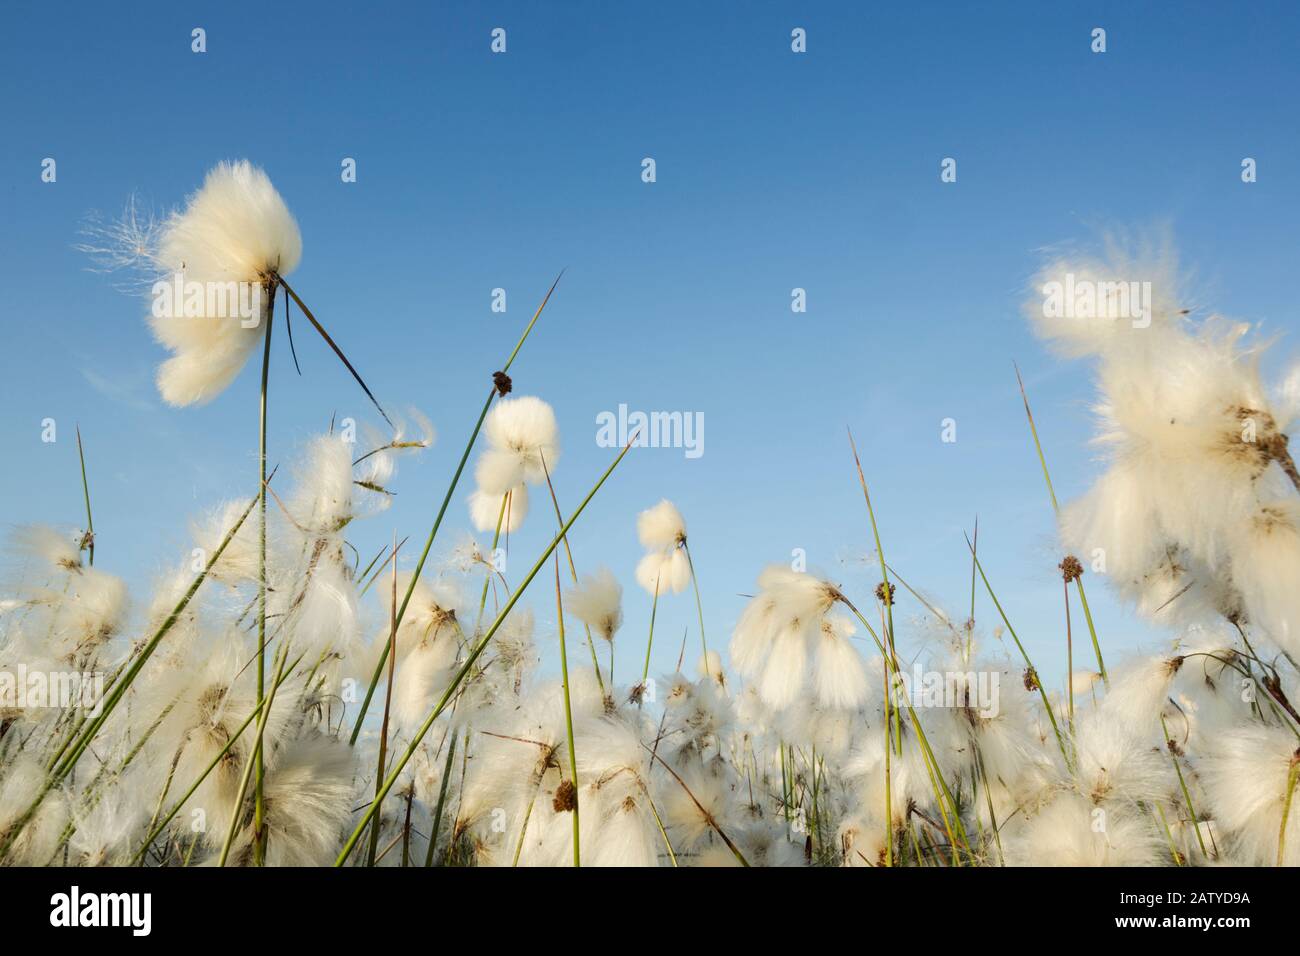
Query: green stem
1047	705
85	490
568	715
654	608
388	700
259	808
1291	778
442	798
265	706
886	588
1056	510
1187	796
1069	655
573	573
889	799
699	608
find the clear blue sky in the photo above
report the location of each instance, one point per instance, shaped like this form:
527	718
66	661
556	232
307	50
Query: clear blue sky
775	170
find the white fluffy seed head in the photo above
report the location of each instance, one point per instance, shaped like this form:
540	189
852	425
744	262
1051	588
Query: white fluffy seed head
1087	305
322	501
523	444
50	549
661	527
236	226
839	676
235	229
597	602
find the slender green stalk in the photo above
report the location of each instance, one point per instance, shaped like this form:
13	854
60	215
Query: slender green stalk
472	658
988	799
442	799
523	829
1293	775
442	510
259	848
887	589
815	827
654	608
1187	796
1056	509
1047	705
388	700
699	608
573	572
658	822
889	798
568	714
85	490
1169	837
237	811
1092	630
1069	655
785	786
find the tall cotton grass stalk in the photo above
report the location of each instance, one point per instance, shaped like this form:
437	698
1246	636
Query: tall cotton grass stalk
388	700
236	229
889	799
501	385
118	690
699	607
568	720
650	640
469	662
88	542
1069	649
1292	777
450	741
265	703
1056	511
886	589
573	573
1172	747
259	797
1031	673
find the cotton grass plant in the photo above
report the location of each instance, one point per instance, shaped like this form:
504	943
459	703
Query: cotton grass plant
228	735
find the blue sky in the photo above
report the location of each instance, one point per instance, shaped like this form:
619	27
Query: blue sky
774	171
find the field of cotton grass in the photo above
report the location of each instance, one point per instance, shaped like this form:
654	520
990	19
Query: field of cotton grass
251	713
